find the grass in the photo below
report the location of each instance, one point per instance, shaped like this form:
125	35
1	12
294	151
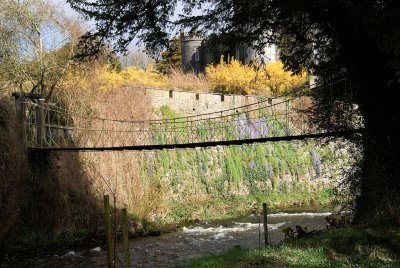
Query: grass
234	206
344	247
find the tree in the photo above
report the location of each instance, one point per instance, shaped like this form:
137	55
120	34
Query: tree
138	58
359	39
171	58
37	45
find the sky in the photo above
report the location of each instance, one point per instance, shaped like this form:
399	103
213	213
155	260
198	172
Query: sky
135	51
62	4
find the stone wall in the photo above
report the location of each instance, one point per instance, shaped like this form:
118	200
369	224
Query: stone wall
191	103
290	163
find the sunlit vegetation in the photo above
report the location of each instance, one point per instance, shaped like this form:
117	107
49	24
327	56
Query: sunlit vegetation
234	206
234	77
156	188
104	78
347	247
228	181
357	39
130	75
230	78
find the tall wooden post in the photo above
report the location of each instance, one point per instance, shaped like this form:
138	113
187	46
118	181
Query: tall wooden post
265	224
40	120
126	238
21	110
107	218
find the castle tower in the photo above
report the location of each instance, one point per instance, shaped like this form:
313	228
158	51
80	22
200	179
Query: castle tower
194	53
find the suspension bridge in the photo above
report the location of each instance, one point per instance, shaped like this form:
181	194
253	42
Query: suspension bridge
49	127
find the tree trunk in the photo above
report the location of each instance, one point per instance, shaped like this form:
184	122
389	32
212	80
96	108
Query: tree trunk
379	201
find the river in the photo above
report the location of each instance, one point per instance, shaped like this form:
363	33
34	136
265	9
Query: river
188	243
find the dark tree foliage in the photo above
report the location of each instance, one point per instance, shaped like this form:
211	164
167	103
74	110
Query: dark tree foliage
219	45
171	58
329	38
120	21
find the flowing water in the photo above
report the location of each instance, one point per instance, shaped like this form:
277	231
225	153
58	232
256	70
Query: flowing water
190	243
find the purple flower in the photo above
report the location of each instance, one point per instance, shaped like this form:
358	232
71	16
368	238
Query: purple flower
270	171
253	130
244	128
316	162
240	128
263	127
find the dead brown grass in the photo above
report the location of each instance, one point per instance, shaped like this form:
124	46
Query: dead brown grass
179	80
53	194
117	173
61	198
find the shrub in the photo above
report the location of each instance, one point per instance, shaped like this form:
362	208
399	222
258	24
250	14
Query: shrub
236	78
279	81
232	77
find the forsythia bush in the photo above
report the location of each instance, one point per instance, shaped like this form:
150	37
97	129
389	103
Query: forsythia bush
235	78
232	77
280	80
130	75
104	79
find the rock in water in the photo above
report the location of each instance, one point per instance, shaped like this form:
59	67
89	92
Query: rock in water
95	250
70	254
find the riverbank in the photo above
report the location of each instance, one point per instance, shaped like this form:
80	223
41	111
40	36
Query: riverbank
180	215
219	208
184	245
344	247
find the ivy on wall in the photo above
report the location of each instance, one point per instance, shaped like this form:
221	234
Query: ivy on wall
254	169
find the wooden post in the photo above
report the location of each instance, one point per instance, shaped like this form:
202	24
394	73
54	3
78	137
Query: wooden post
21	110
115	231
19	103
126	238
40	120
107	218
265	224
259	230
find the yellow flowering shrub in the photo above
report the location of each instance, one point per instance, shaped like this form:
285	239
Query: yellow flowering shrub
147	78
235	78
232	77
280	80
130	75
80	86
226	77
101	78
107	80
75	79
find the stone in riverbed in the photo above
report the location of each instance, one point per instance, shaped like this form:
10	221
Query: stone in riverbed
95	250
69	254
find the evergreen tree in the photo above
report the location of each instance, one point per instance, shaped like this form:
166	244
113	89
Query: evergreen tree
171	58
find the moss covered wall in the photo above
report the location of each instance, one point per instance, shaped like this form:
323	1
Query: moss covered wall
190	174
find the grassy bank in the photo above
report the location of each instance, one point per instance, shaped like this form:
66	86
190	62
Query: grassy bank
236	206
345	247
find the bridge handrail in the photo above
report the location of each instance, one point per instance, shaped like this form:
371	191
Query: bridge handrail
172	120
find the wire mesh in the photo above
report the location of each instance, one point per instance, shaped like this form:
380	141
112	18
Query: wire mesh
49	126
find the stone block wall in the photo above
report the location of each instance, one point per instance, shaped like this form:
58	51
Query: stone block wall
192	103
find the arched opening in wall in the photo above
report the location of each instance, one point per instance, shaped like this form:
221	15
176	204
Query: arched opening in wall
171	94
197	96
222	97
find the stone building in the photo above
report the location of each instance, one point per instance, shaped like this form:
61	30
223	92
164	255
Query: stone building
196	56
